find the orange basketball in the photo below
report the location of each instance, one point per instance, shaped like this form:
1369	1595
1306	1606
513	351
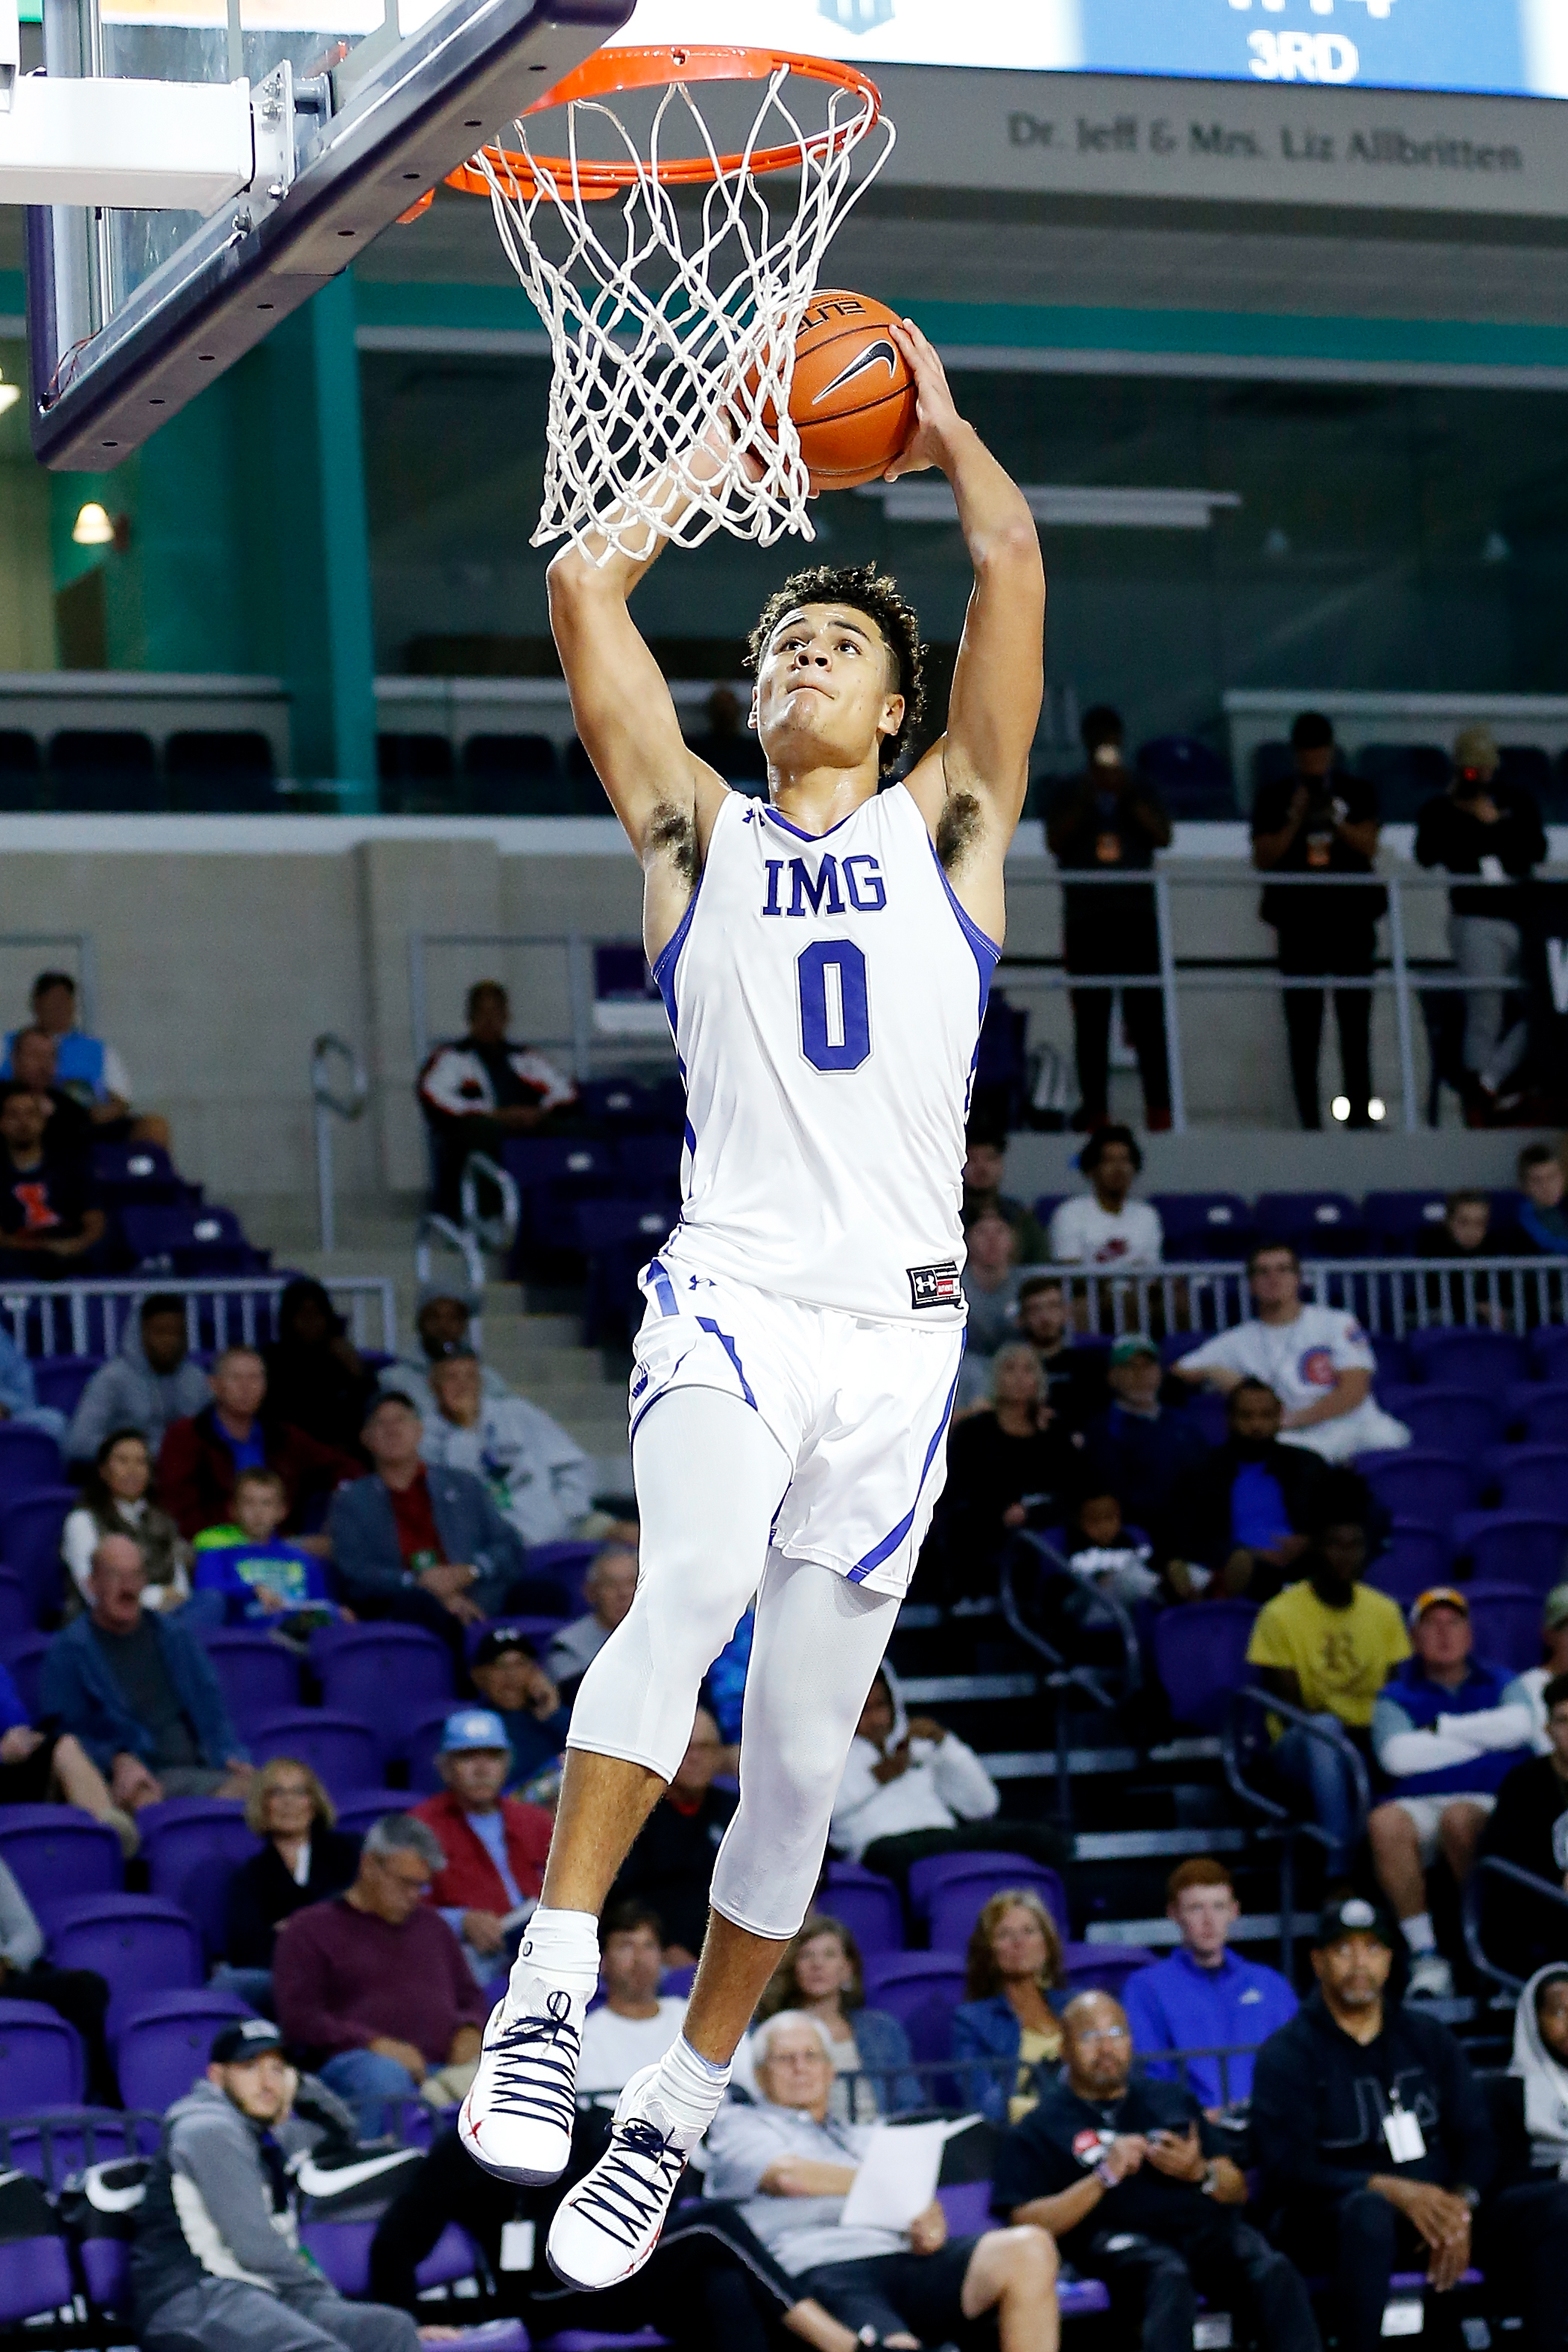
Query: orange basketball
853	399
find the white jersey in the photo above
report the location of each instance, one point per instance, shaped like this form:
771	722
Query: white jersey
826	994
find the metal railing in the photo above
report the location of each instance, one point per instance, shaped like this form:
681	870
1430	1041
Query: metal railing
1104	1688
1251	1708
471	1234
1388	1296
1539	1890
328	1104
90	1319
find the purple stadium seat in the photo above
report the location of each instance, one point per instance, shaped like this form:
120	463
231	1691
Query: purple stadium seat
1532	1478
1538	1409
1209	1414
1507	1622
52	1848
41	2063
163	2040
954	1900
1321	1224
342	1751
921	1989
359	1809
30	1461
385	1675
1513	1547
1460	1422
258	1675
1462	1357
1416	1556
1103	1968
1211	1225
866	1903
1549	1352
967	2207
58	1381
16	1610
1393	1364
30	1542
1396	1221
1411	1485
106	2270
590	2339
421	1739
342	2250
53	2142
137	1943
677	1983
1082	2298
35	2279
25	1663
567	1562
1200	1656
192	1847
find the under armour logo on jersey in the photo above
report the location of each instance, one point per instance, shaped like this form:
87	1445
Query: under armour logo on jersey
864	888
935	1286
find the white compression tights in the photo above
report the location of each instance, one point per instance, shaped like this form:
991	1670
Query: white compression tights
709	1480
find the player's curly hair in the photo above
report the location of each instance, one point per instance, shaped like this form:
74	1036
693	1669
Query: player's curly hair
872	593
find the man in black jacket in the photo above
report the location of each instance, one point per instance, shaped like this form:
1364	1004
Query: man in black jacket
1529	1828
1123	2175
1369	2128
1246	1510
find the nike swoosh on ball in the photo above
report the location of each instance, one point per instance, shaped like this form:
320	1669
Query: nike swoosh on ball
869	357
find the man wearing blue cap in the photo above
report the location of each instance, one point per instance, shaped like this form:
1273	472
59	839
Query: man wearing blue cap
496	1846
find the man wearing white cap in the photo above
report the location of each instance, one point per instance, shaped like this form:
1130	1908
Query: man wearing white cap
495	1846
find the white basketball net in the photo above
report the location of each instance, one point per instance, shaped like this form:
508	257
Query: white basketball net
668	334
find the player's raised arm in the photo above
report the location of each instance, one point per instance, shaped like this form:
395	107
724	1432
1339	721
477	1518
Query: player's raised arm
1000	674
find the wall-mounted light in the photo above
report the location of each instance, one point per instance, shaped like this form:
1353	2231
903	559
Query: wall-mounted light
92	527
10	393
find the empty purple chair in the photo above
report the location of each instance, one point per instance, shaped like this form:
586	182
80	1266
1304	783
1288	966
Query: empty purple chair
16	1610
568	1563
359	1809
1460	1356
57	1852
41	2063
967	2207
137	1943
340	1750
258	1675
921	1989
1549	1352
1320	1224
1200	1656
385	1675
53	2142
24	1664
1514	1548
58	1381
193	1846
954	1901
865	1903
1539	1411
1532	1478
30	1542
1460	1422
1416	1556
420	1741
1411	1485
30	1461
1103	1968
1506	1620
35	2279
163	2040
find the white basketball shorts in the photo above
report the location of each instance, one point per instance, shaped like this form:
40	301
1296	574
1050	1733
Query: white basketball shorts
860	1408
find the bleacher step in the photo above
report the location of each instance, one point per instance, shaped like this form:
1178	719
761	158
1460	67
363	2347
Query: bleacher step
1161	1933
1040	1763
1142	1845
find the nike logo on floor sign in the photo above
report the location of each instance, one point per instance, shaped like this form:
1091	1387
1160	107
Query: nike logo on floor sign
878	354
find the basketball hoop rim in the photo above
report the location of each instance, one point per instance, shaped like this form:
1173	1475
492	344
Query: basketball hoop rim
611	70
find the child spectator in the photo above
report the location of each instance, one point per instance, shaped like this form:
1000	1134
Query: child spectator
1106	1555
50	1222
117	1501
1541	1219
508	1675
151	1383
1105	1226
262	1579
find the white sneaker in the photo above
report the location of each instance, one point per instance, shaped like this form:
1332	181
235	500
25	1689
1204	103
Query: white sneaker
1431	1977
517	2118
607	2226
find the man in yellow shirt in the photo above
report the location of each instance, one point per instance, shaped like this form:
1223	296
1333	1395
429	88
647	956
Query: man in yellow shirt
1327	1645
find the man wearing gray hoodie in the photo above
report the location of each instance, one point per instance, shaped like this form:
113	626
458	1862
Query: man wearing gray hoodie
217	2259
151	1383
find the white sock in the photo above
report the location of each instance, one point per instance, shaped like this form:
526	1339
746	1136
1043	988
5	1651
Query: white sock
690	2086
564	1947
1419	1934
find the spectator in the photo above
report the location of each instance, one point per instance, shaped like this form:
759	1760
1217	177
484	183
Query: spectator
671	1866
1105	1555
201	1457
539	1480
373	1984
443	1322
495	1848
78	1995
19	1397
1369	2128
1317	1360
1242	1515
990	1282
1204	1996
1140	1448
1528	1689
1444	1740
116	1500
820	1976
138	1692
31	1065
40	1763
1105	1226
1541	1219
1466	1218
304	1858
911	1789
482	1088
1464	1235
1529	1828
316	1377
1006	1462
508	1675
1325	1645
1320	821
1074	1375
793	2167
1008	2022
91	1071
1492	831
151	1383
983	1167
1110	820
1528	2207
633	2025
1120	2171
50	1222
609	1588
253	1574
423	1547
216	2260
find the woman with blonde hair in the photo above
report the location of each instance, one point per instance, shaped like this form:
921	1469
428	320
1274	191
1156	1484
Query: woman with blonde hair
1015	1961
305	1858
821	1974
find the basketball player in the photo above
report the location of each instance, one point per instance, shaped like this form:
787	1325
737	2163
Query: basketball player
824	958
